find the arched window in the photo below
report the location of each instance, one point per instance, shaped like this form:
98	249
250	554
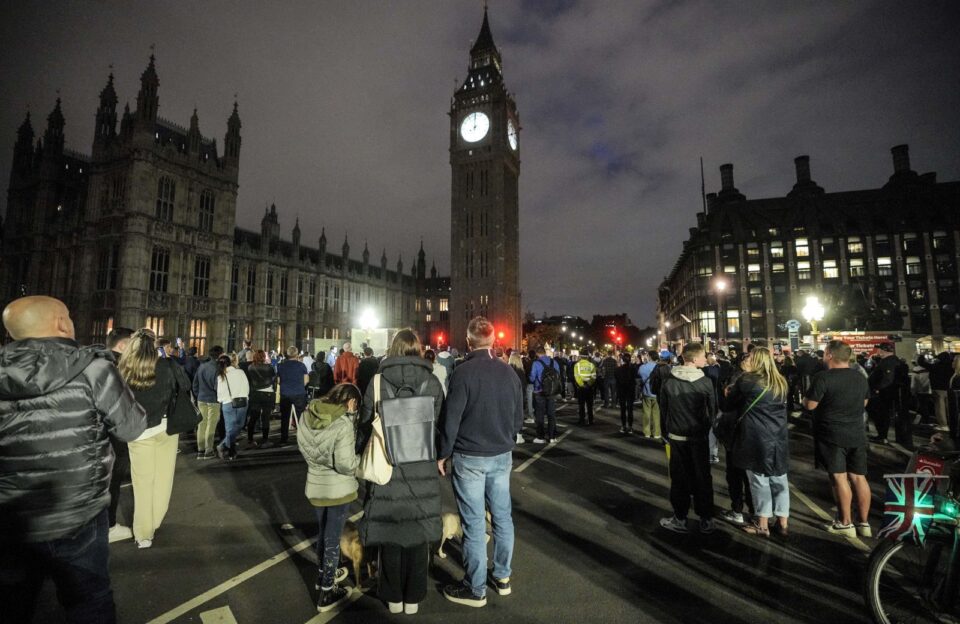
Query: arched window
206	211
166	189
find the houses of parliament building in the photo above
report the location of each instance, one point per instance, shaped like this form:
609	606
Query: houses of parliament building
142	232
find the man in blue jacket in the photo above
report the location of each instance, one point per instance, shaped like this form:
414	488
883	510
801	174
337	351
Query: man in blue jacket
544	402
484	414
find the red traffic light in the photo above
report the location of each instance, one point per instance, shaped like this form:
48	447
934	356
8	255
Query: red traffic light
500	335
613	332
440	338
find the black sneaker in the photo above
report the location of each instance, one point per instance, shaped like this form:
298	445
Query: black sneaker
330	598
502	586
339	577
461	594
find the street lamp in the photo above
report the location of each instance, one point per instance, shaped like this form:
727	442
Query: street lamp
720	286
367	322
813	313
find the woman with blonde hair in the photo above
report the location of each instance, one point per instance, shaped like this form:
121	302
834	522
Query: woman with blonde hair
155	383
760	445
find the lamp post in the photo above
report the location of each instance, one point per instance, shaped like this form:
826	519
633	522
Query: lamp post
720	286
367	322
813	313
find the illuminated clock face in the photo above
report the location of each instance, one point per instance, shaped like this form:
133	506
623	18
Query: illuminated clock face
512	134
474	127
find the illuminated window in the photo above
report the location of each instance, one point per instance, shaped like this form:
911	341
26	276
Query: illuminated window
444	305
733	321
198	335
100	330
803	270
707	322
884	266
830	270
729	268
913	265
166	190
803	247
777	267
155	323
854	245
753	272
856	267
776	250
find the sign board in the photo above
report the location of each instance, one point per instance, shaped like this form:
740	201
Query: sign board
861	341
793	326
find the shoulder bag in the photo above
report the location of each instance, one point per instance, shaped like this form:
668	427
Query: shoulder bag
374	465
238	402
725	427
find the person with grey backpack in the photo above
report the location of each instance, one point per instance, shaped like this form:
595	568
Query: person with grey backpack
402	515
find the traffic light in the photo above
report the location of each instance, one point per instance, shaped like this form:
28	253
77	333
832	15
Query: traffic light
440	339
500	335
613	332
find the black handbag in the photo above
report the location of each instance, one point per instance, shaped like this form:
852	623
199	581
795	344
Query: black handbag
238	402
408	424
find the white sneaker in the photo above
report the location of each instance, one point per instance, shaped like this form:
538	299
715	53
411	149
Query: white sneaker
528	421
520	439
552	442
395	607
410	609
141	544
118	532
539	441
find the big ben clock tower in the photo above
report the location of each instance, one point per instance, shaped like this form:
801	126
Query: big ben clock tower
485	225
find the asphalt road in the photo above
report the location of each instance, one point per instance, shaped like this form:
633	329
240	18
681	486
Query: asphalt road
237	545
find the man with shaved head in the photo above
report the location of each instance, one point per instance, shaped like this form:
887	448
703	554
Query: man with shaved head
59	405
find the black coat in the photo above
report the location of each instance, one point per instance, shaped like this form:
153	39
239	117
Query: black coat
761	441
406	510
59	405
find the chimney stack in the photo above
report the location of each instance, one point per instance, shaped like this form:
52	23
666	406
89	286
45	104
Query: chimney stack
726	177
803	168
901	158
711	202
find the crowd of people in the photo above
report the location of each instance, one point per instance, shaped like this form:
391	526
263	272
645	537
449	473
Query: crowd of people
76	422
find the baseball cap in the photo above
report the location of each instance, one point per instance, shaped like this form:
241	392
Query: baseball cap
886	346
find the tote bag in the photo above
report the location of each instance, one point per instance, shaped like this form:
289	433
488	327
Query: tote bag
374	465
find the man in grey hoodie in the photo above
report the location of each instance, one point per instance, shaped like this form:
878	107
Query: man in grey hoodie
687	405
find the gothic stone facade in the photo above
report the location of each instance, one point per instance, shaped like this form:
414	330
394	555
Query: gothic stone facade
881	259
143	232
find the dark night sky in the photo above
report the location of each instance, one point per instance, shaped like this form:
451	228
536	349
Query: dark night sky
344	111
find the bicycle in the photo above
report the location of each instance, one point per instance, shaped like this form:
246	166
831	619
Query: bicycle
913	573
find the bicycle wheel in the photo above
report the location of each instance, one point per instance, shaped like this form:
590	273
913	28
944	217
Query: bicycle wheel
907	583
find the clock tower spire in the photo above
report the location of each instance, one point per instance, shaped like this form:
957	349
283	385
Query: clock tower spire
485	169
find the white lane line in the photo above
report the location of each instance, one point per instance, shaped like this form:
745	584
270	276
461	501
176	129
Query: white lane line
220	615
246	575
229	584
540	453
820	512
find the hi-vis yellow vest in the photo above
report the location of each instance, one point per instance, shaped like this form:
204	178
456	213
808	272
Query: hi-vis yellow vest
584	372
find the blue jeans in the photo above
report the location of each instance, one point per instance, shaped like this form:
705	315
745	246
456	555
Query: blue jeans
771	495
78	564
331	521
479	482
233	421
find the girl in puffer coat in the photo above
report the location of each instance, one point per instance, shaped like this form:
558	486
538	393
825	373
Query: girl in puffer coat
326	437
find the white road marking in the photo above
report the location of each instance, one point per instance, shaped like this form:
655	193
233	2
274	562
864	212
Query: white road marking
539	454
221	615
229	584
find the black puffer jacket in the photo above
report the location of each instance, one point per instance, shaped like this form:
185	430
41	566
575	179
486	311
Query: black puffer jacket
688	403
58	403
761	440
405	511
